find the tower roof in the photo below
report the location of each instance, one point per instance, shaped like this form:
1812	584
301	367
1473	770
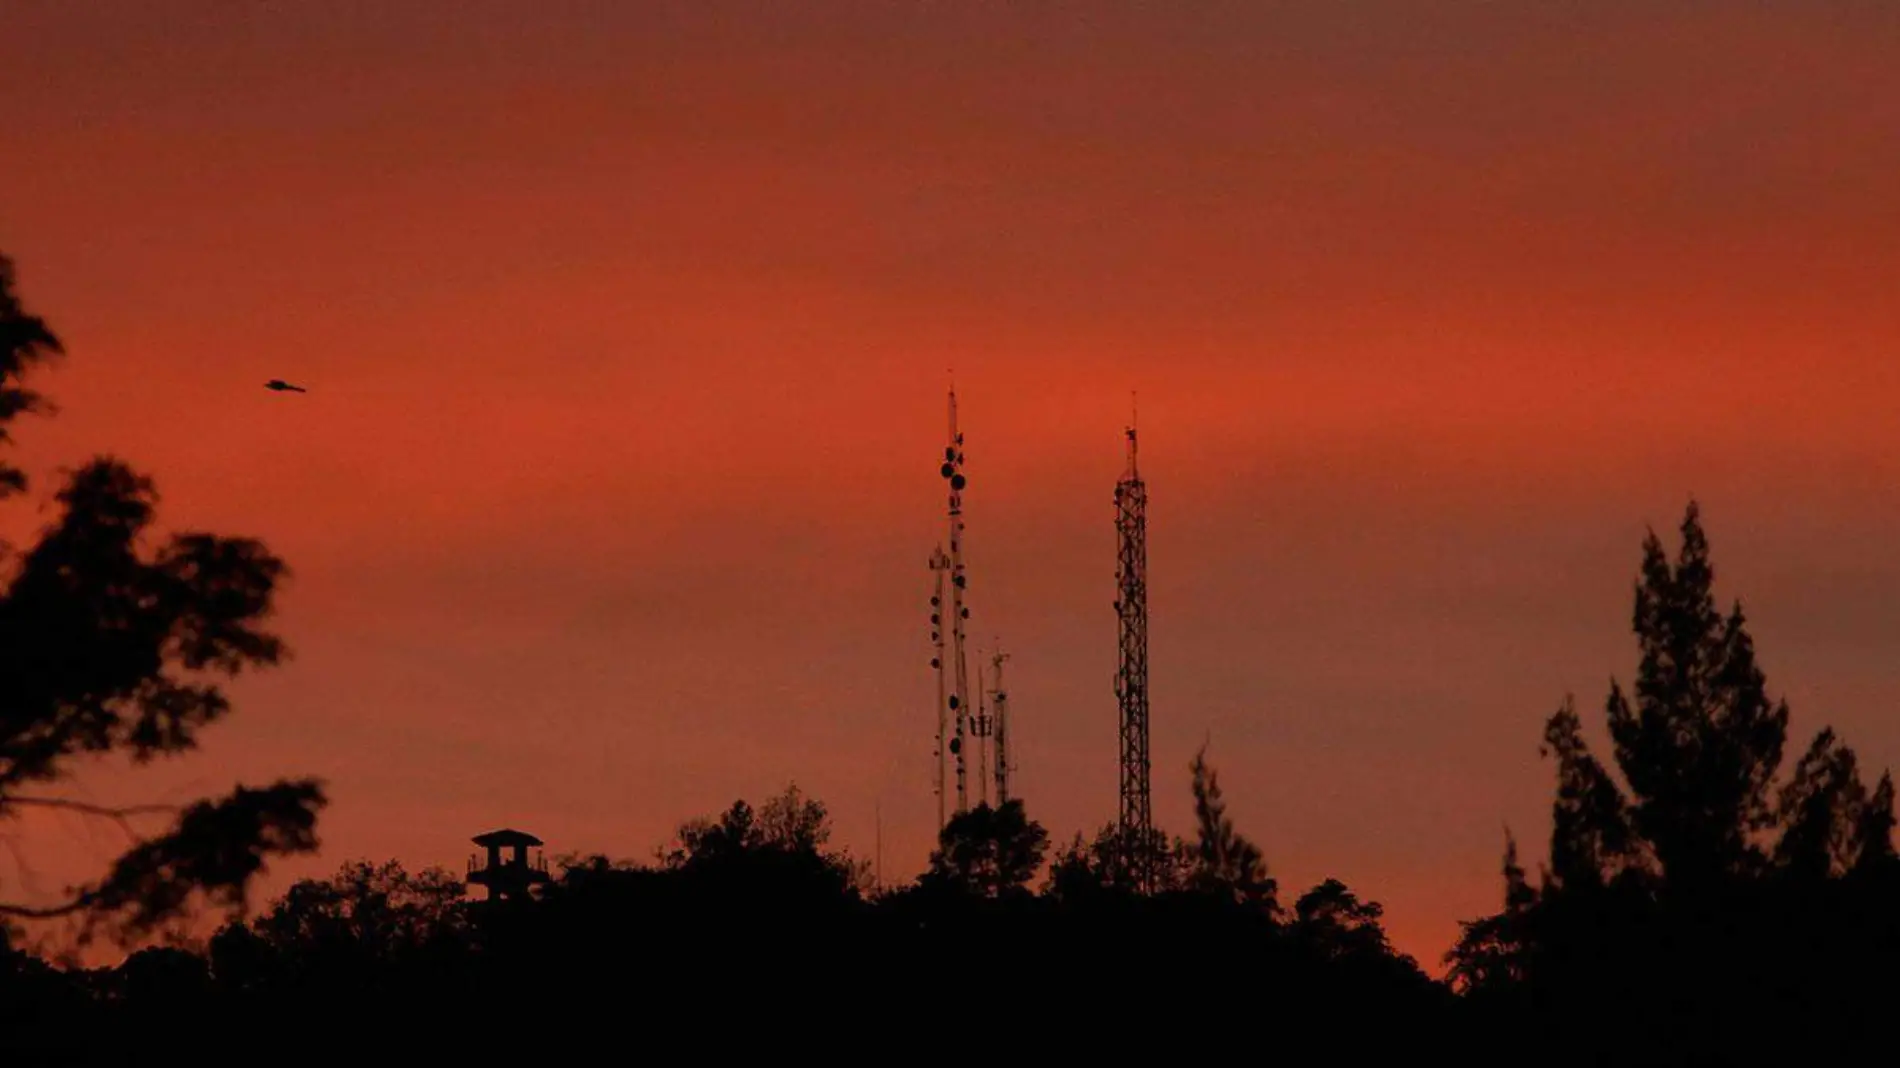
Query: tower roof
506	838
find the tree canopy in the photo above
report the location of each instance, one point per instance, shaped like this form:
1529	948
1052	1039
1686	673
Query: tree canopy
111	647
1691	880
989	852
1698	745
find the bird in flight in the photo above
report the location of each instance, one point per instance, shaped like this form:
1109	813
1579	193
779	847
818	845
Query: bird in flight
282	386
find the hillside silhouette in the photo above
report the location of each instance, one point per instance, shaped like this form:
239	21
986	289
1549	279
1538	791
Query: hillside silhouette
1709	894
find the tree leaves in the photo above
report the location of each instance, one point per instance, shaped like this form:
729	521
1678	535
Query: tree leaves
1226	864
106	649
1691	888
214	849
98	645
25	340
989	852
1698	742
1702	741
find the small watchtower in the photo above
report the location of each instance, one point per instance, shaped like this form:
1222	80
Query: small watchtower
507	877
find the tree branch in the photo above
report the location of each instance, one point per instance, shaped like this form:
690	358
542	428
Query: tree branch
90	809
49	912
121	816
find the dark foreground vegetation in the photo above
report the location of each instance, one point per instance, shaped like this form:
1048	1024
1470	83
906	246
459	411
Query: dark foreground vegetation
1704	900
754	939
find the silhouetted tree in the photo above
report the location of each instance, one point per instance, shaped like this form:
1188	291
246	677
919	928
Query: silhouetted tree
1102	864
1591	841
1692	903
241	959
1490	954
373	953
163	977
702	841
784	843
989	852
379	910
105	649
25	342
788	823
1091	868
42	1007
1699	749
1332	921
795	822
1226	864
1873	836
1829	823
1219	861
1703	740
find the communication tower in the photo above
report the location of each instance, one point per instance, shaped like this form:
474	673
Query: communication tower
1131	681
949	615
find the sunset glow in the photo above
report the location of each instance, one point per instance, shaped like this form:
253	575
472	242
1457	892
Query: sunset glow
627	330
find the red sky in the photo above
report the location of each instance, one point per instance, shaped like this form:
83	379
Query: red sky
627	329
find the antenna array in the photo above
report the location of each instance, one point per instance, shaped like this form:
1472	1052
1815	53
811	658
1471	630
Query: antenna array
949	614
957	722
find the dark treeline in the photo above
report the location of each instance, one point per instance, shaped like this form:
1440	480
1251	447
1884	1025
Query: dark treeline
1707	896
753	933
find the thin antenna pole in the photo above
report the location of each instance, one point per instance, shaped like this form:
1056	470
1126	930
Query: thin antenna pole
982	732
940	564
999	715
959	699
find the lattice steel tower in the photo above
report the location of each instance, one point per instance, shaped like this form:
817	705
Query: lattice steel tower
1131	681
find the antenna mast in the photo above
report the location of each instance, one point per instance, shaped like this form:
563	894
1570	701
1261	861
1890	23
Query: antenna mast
1131	681
999	716
980	727
940	564
953	679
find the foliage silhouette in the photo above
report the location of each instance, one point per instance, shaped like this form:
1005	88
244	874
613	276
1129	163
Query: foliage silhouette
25	341
745	932
1700	903
1331	921
1705	912
1085	869
1225	863
779	849
989	852
380	911
106	649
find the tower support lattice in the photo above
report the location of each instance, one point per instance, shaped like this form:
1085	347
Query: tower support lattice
1135	823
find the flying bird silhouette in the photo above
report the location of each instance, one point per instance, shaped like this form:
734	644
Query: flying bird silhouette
282	386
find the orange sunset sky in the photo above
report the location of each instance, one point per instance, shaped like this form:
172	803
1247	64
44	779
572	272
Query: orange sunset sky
627	329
